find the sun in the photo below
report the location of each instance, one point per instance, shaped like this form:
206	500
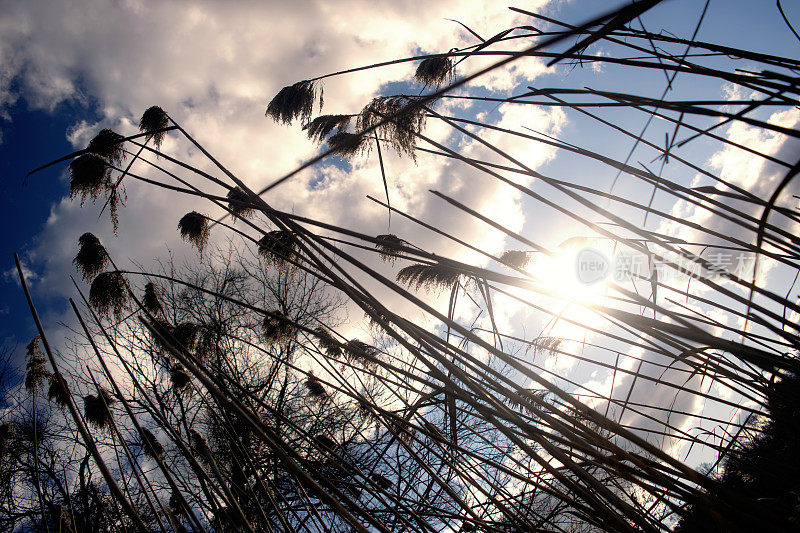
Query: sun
575	272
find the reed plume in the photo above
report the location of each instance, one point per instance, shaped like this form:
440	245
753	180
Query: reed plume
434	71
92	257
360	351
108	145
151	300
36	373
108	294
56	393
278	328
322	126
179	378
327	343
516	258
150	445
315	387
348	145
239	203
388	246
97	408
89	176
295	101
434	276
279	247
402	120
153	119
194	229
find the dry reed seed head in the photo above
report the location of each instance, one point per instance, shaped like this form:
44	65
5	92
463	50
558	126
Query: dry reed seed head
106	396
435	276
434	71
404	120
206	344
200	447
325	443
322	126
153	119
89	176
108	145
195	229
295	101
327	342
33	347
278	328
376	316
175	503
348	145
36	373
108	294
381	481
361	352
64	520
151	299
549	345
516	258
240	203
92	257
57	393
315	387
402	429
278	248
160	335
185	335
388	245
96	410
180	378
150	445
226	521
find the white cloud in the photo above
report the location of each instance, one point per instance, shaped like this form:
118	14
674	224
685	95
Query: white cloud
214	67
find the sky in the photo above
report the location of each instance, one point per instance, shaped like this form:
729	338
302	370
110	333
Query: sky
69	69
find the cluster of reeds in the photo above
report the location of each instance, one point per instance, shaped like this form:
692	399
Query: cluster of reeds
462	428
